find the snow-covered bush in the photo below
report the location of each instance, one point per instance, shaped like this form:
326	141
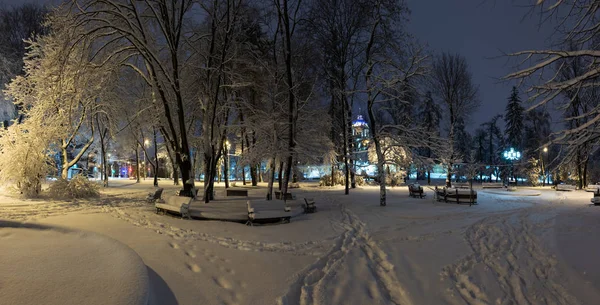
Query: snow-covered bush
78	187
24	159
338	178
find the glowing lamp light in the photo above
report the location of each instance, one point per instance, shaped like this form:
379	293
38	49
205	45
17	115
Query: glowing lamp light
511	154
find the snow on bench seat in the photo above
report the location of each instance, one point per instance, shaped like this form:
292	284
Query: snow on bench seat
269	211
491	185
565	187
176	204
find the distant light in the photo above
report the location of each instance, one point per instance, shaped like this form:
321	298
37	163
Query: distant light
545	149
511	154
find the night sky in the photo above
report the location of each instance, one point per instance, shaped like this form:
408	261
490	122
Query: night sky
480	30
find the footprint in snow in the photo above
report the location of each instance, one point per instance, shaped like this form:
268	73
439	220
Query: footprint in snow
195	268
190	254
223	283
174	245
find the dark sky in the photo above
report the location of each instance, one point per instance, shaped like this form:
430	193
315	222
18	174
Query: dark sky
480	30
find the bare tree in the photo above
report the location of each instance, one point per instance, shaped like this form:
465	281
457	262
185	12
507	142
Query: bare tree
451	82
569	68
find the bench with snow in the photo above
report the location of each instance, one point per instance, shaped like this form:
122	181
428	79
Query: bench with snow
596	199
154	196
193	193
175	204
415	190
309	205
265	213
288	196
238	192
592	188
565	187
460	185
456	195
492	185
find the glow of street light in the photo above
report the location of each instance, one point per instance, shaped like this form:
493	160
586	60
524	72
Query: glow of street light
545	149
146	142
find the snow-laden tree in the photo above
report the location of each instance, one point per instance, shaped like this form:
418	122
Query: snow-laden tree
25	157
513	117
146	37
391	63
64	88
495	144
429	117
452	83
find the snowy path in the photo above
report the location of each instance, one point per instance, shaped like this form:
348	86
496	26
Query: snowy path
507	254
313	284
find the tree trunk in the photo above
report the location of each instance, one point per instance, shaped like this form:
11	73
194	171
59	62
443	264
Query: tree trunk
155	164
137	164
226	165
292	109
271	179
280	175
253	175
345	148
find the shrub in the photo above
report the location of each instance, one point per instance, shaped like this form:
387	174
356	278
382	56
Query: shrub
78	187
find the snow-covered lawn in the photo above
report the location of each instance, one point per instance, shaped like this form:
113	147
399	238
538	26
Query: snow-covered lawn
505	250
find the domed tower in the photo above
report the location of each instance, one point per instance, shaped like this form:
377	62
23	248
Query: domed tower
362	137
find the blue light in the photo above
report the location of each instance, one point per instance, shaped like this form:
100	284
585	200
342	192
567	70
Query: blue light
511	154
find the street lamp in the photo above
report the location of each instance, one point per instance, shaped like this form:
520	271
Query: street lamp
511	155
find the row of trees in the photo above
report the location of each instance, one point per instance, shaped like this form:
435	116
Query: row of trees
277	79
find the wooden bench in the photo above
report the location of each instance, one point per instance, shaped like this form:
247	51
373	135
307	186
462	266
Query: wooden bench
238	192
415	190
460	185
565	187
309	205
456	195
596	199
153	197
492	185
176	204
592	188
260	215
288	196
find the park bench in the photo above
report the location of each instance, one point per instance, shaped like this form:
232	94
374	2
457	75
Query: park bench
288	196
260	214
456	195
592	188
596	199
415	190
492	185
460	185
565	187
176	204
154	196
237	192
309	205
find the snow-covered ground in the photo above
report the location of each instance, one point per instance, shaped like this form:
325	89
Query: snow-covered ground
505	250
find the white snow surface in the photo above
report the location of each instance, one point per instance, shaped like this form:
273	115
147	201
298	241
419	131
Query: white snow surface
505	250
54	266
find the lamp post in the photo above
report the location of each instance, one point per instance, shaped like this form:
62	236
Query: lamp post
545	167
511	155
